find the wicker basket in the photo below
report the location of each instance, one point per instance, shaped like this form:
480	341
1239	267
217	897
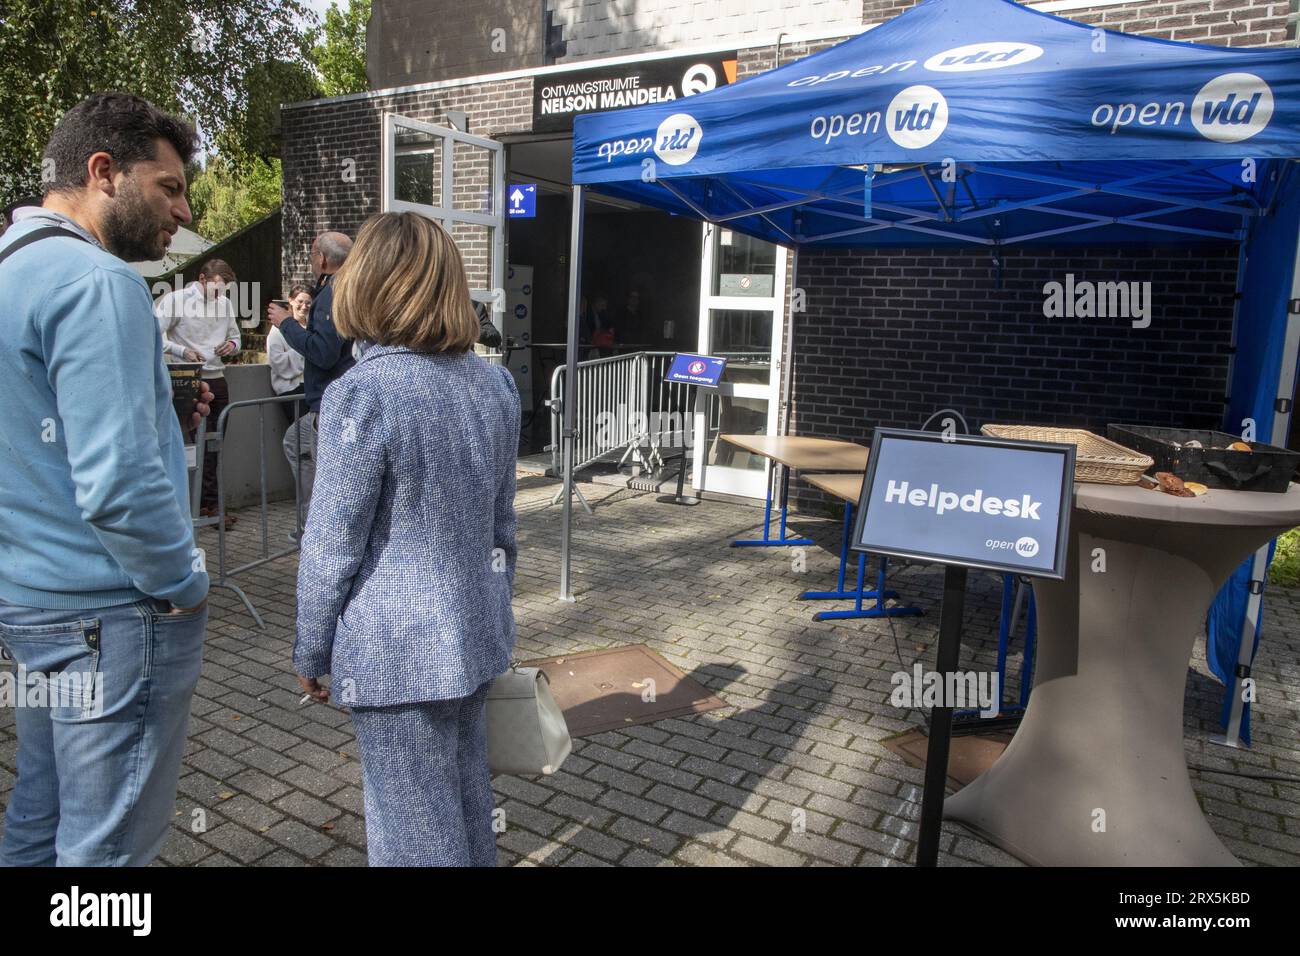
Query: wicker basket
1097	460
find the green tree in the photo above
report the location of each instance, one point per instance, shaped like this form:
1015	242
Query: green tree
196	57
270	84
226	196
338	48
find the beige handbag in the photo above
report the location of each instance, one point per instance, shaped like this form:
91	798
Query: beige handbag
526	729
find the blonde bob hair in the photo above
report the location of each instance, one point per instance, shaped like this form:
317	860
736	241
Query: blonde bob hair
404	284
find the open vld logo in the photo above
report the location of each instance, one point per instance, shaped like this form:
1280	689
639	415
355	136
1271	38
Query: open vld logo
1232	108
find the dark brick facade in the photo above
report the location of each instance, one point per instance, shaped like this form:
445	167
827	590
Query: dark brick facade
892	336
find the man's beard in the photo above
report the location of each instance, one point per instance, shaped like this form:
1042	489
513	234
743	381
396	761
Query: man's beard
130	230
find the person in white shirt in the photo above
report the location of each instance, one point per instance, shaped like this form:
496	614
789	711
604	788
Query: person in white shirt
199	324
286	362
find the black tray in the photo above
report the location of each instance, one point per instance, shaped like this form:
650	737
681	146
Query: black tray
1265	468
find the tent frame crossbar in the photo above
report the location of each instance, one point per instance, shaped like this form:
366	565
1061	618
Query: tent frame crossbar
1118	189
948	214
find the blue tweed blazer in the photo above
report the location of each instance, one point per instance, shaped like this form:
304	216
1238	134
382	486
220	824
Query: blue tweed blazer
408	557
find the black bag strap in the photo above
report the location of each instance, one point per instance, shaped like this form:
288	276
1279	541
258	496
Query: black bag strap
45	232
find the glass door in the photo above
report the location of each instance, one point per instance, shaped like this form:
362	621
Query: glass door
459	180
742	305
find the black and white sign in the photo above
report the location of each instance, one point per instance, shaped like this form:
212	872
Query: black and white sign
975	502
557	98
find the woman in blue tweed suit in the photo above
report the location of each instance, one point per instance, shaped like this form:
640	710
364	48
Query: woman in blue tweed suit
408	558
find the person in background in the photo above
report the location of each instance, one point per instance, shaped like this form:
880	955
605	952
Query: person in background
488	334
286	364
633	318
408	560
326	356
100	579
199	324
597	328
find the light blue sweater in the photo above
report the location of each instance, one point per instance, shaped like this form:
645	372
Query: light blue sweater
93	500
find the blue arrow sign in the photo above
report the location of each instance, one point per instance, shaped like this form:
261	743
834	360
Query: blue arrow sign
521	201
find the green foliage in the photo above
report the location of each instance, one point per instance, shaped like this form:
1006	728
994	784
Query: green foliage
1285	568
339	48
196	57
226	197
270	84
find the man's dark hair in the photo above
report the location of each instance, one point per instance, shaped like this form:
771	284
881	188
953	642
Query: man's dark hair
217	268
126	127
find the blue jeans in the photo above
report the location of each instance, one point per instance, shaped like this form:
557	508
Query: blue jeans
97	774
428	791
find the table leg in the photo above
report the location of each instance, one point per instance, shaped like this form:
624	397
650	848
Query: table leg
1096	774
1031	645
767	541
840	594
879	595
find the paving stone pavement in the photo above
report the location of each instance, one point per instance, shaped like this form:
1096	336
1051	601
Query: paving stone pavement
793	772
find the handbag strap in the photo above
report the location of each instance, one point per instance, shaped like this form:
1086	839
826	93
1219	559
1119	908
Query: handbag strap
45	232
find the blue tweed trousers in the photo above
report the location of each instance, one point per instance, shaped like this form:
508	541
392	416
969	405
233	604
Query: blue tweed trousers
428	791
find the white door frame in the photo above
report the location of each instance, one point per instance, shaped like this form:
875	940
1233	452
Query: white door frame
444	211
737	481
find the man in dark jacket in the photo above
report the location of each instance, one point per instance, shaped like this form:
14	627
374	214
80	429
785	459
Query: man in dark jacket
487	332
326	354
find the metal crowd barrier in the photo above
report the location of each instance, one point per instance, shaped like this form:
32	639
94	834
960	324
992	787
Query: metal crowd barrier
626	408
213	440
614	400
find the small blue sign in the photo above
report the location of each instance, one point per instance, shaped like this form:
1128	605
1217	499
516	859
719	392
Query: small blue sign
701	370
975	502
521	201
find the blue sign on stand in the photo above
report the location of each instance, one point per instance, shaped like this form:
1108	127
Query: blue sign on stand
973	502
703	370
521	201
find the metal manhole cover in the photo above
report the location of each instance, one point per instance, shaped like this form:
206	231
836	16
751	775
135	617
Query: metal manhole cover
968	755
620	687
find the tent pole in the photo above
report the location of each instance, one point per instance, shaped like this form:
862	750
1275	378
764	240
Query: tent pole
1259	567
571	389
787	371
1243	262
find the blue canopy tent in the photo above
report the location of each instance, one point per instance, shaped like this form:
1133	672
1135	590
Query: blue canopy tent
982	123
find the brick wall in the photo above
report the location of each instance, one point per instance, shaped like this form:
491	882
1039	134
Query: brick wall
331	162
1221	22
606	27
423	41
893	336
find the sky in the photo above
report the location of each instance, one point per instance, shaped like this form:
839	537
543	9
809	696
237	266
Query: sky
320	6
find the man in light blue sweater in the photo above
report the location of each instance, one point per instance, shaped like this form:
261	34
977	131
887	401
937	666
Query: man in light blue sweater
102	590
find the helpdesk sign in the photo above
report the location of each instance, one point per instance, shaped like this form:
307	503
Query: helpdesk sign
977	502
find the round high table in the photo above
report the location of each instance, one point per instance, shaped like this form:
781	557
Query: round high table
1096	773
